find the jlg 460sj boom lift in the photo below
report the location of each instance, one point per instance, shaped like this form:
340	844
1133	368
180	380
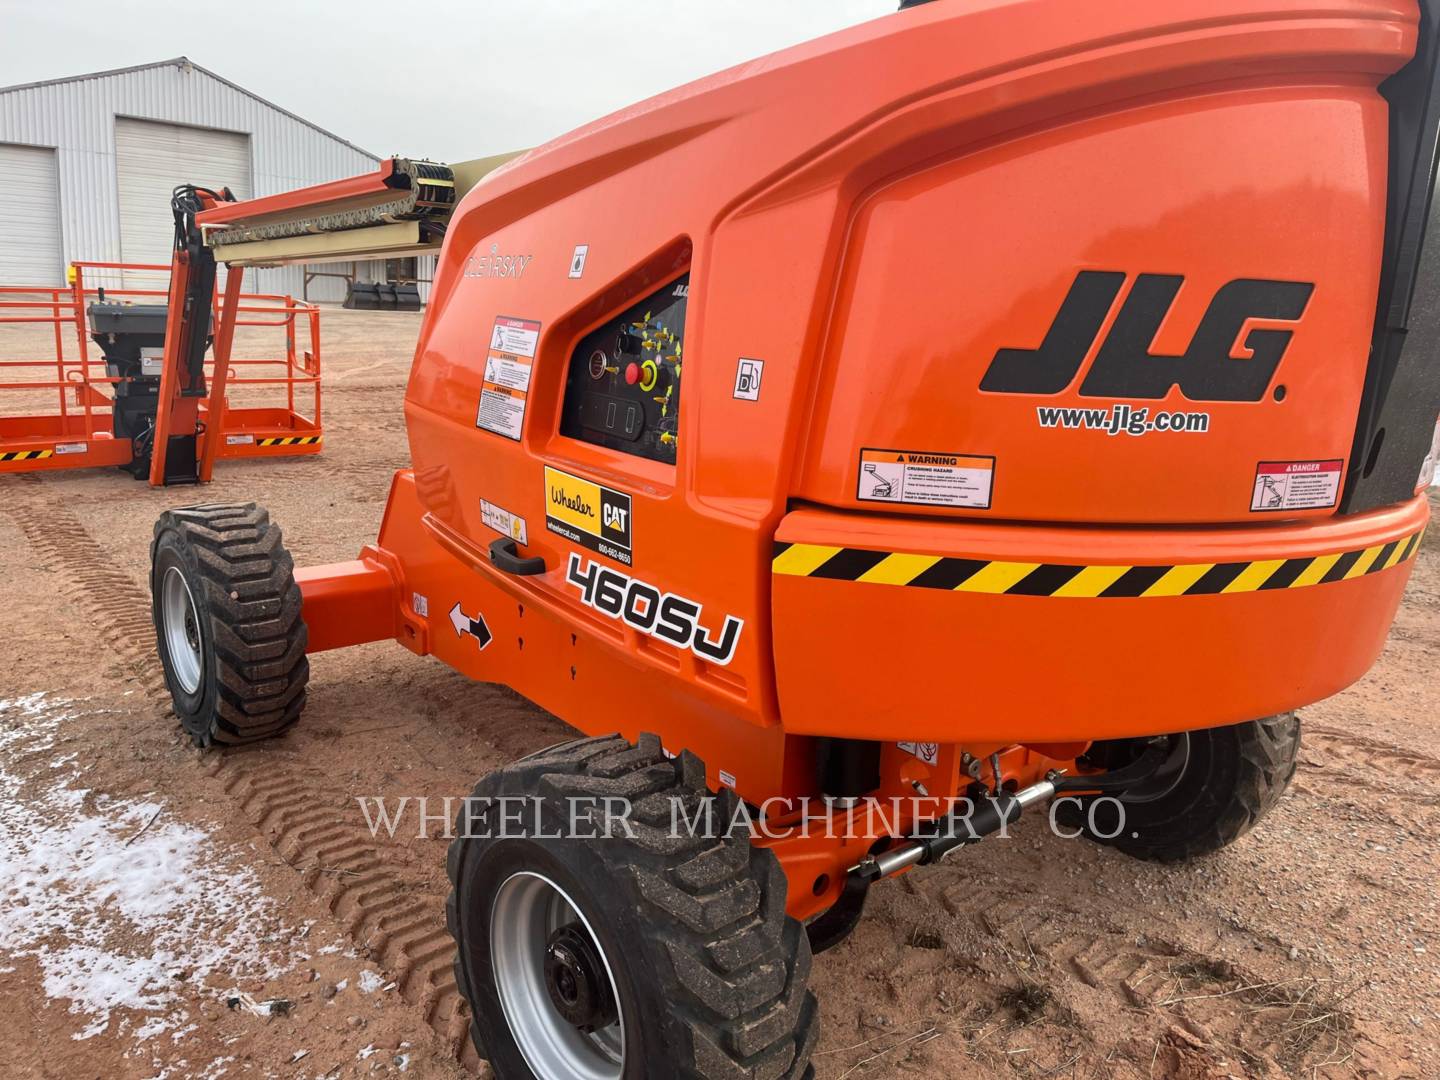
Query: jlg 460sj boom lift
992	401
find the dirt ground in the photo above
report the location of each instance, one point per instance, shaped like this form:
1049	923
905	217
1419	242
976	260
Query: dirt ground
168	913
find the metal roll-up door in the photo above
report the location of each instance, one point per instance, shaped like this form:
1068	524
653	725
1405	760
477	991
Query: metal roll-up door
151	158
29	217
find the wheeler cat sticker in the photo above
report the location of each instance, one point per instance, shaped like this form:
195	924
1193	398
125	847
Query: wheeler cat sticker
589	514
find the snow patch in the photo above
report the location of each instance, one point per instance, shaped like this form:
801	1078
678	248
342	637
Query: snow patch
96	1027
158	1025
112	900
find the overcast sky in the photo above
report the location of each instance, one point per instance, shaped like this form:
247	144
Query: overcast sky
445	80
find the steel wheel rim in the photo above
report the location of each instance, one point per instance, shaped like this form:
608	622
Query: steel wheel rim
527	909
1166	777
181	624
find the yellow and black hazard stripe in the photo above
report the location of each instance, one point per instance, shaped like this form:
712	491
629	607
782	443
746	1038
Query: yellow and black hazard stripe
1067	579
290	440
25	455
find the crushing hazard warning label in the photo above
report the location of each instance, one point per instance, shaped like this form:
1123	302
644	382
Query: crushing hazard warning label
507	376
1296	485
926	479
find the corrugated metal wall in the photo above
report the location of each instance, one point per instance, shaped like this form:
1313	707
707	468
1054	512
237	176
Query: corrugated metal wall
77	118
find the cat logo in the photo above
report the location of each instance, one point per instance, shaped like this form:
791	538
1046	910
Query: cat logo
588	514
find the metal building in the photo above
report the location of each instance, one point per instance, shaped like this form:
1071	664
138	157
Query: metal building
87	165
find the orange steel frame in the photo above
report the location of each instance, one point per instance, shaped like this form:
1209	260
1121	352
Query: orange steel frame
79	435
813	237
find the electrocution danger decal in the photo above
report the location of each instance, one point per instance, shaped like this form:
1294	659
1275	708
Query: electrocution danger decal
1296	485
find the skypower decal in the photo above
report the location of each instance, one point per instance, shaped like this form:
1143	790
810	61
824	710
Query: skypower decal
588	514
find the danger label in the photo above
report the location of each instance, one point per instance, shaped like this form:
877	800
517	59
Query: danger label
1296	485
506	387
926	479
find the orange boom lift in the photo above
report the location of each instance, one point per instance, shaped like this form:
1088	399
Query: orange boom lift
994	405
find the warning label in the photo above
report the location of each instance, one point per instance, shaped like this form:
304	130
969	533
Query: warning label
927	752
507	376
1296	485
926	479
504	522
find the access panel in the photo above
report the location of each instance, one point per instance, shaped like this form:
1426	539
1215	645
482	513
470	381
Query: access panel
623	387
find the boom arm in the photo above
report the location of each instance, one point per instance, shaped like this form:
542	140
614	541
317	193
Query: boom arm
402	208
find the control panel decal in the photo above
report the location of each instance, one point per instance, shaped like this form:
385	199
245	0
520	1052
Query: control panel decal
589	514
508	366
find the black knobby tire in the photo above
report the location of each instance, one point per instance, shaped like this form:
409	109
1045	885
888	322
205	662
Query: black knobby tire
1229	778
709	970
247	632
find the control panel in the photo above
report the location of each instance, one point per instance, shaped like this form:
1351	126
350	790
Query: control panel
623	387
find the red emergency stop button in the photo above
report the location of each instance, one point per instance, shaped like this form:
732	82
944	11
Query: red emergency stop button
632	373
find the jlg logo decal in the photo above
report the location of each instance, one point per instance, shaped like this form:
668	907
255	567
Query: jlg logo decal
1125	368
663	615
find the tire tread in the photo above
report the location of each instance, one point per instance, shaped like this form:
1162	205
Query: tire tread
259	638
736	966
